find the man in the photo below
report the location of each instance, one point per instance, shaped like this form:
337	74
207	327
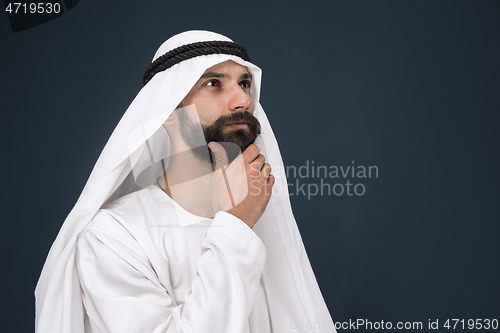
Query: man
169	238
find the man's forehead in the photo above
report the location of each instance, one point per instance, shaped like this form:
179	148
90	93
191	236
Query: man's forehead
227	69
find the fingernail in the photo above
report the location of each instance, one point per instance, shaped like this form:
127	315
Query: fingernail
212	148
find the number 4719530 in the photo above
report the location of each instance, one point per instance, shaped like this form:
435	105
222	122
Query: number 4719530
32	8
471	324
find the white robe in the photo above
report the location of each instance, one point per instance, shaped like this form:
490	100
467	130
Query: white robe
141	272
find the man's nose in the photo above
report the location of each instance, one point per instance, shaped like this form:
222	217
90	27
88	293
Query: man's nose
240	100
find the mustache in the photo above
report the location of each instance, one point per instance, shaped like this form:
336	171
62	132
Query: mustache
242	116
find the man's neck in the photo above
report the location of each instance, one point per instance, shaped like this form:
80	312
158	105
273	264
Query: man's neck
188	181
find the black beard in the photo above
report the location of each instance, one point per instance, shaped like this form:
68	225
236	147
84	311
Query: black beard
234	141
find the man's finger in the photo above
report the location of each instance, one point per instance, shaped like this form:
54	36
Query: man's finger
266	170
220	154
251	153
271	180
258	163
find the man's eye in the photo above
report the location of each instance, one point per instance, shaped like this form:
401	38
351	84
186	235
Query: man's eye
212	83
246	84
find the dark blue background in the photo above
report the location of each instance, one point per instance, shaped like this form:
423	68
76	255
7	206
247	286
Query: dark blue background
409	86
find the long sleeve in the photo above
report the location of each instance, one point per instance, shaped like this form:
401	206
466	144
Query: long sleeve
121	293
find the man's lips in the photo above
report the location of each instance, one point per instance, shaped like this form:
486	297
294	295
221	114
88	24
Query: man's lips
238	125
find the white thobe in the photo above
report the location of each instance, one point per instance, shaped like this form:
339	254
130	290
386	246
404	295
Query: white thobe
140	271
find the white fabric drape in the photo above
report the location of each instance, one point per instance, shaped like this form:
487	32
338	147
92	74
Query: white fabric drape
289	283
214	269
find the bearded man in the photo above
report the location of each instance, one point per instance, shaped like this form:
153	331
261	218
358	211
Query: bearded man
181	226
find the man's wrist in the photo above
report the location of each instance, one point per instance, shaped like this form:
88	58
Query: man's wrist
243	217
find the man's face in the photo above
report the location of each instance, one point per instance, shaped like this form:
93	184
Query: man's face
224	105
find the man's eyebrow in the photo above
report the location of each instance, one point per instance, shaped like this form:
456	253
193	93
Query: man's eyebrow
247	75
214	75
218	75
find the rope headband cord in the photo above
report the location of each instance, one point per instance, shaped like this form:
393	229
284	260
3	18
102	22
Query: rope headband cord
189	51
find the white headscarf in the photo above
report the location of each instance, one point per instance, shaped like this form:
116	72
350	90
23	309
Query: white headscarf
295	301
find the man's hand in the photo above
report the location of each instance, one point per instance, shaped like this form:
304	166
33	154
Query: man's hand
248	181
